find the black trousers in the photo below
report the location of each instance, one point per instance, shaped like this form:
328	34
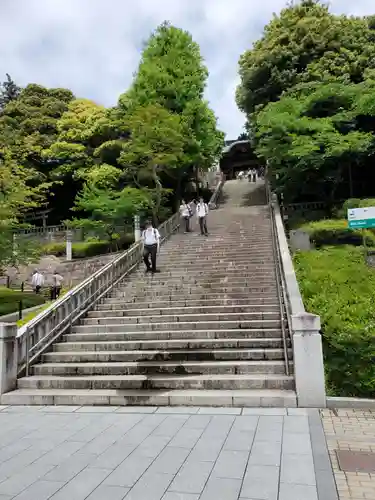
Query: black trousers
150	251
203	225
187	224
55	292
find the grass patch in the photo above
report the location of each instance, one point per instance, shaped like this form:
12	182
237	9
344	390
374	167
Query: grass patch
337	285
86	249
33	314
9	300
336	232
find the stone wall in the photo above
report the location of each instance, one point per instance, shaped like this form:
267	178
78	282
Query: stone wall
73	272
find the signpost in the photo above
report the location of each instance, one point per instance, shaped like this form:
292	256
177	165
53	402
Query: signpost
362	218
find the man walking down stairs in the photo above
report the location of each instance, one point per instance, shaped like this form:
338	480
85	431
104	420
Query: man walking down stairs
205	331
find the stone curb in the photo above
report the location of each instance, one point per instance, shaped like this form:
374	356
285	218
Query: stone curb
325	479
350	403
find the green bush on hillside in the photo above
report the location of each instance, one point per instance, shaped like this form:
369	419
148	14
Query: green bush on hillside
10	299
355	203
337	284
90	248
336	232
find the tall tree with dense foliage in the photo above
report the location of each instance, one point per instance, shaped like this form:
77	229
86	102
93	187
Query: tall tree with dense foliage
172	74
28	127
16	198
9	91
155	146
314	140
305	43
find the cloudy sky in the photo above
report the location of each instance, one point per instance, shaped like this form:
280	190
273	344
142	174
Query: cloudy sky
93	46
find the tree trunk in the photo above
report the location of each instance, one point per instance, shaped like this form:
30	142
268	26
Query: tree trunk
158	189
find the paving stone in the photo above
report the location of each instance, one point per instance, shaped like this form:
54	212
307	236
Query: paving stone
261	483
150	487
296	425
239	440
59	409
40	490
113	456
265	453
25	478
297	492
172	495
192	477
136	409
169	461
220	488
152	446
296	444
70	468
220	411
298	469
80	487
128	473
197	422
264	411
184	410
231	464
186	438
108	493
97	409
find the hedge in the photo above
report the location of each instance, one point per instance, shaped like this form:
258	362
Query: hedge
89	248
10	299
336	232
337	285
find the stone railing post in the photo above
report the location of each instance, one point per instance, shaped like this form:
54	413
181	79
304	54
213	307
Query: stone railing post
69	251
137	228
308	361
8	357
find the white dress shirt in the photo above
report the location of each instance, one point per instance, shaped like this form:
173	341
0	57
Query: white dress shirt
151	236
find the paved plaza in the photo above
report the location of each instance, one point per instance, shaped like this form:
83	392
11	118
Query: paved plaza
111	453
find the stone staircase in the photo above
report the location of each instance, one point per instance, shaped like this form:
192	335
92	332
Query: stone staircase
205	331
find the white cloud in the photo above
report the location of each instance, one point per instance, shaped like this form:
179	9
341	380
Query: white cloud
93	46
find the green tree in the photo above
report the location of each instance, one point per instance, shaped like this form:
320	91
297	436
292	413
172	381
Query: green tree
9	91
155	146
305	43
28	127
108	211
16	198
315	139
172	74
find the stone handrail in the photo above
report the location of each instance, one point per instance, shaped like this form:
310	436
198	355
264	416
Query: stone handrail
39	333
214	200
304	327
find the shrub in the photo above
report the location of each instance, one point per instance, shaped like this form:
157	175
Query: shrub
336	232
337	284
355	203
10	299
90	248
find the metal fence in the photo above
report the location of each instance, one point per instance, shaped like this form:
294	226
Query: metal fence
37	335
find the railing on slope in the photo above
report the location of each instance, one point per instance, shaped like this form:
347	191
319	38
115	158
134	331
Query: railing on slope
215	198
284	303
37	335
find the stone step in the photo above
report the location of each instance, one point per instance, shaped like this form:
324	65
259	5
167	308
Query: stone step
121	311
252	333
151	280
147	382
235	253
183	325
204	277
181	318
216	301
114	397
164	355
195	291
176	344
212	273
158	367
